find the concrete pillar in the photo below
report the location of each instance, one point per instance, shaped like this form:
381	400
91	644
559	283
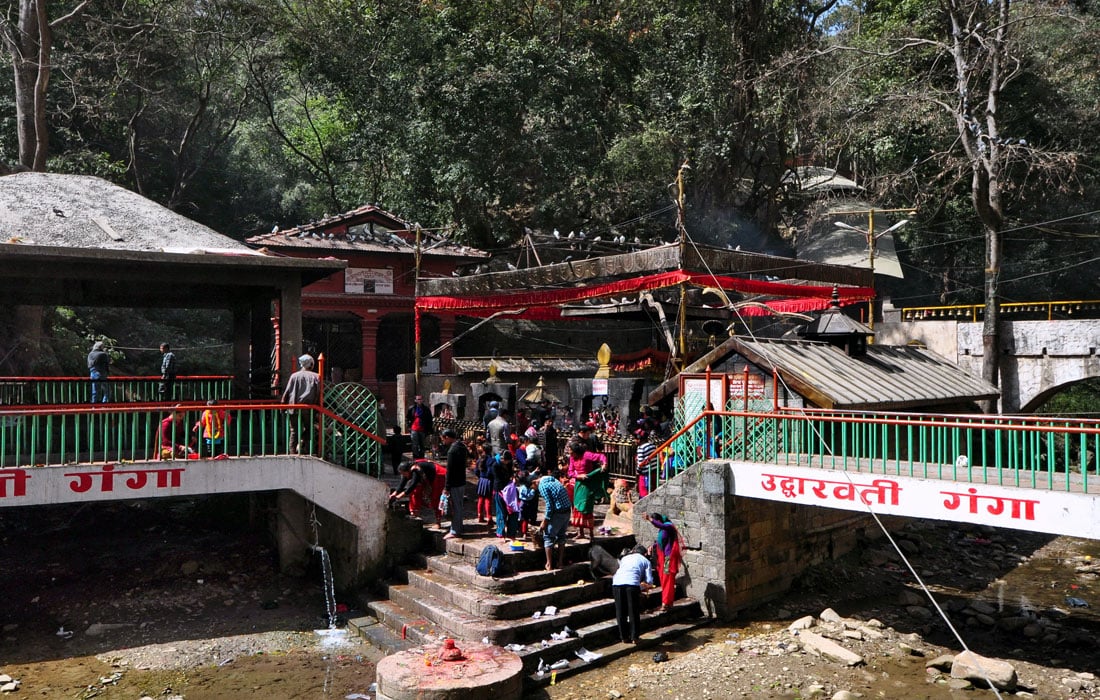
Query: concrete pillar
242	349
260	361
292	534
446	334
290	325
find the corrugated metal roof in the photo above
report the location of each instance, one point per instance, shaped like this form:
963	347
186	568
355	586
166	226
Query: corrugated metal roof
308	240
888	377
480	365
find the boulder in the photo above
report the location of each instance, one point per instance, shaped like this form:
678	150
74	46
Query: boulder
976	668
817	644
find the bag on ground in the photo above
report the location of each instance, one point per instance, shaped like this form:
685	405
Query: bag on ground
489	561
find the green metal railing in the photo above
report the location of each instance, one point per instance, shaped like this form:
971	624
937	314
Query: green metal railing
55	435
52	391
1033	452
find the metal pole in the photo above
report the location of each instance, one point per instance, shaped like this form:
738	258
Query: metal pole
416	295
871	259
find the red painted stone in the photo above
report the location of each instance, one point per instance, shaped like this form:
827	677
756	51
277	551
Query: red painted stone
484	671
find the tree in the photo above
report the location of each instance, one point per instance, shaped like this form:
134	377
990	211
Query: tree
944	91
28	37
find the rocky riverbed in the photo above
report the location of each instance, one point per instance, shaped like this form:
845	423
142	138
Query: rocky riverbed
863	627
182	600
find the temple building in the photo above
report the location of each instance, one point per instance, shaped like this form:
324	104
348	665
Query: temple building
361	318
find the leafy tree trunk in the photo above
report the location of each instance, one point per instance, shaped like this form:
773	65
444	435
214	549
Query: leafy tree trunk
980	57
30	43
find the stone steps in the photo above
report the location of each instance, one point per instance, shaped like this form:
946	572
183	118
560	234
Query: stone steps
496	606
439	595
458	569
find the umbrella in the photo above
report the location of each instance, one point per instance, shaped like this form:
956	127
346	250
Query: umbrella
539	394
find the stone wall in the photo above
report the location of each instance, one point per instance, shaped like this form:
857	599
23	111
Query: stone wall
741	552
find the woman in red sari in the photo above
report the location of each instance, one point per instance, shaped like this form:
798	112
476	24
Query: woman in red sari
667	547
586	471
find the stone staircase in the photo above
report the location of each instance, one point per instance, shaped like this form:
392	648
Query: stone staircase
439	595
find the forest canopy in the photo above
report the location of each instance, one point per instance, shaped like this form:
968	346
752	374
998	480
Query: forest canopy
492	117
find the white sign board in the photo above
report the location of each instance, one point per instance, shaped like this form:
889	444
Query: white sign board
368	280
1055	512
599	387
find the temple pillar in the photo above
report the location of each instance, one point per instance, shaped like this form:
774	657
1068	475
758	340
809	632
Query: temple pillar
369	329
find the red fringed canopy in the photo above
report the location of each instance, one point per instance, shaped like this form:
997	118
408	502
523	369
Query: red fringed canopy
543	304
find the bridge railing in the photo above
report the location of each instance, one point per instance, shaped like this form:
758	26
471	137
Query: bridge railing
112	433
50	391
1032	452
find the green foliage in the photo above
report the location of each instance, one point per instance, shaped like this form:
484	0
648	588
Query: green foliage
496	116
1077	401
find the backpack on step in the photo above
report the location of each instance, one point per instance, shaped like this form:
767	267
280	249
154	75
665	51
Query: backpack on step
489	561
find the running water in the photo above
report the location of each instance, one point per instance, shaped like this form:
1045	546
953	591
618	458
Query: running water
329	584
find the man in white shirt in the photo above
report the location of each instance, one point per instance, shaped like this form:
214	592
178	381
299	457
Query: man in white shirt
634	575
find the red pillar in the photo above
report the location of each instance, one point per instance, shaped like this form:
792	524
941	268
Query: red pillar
369	329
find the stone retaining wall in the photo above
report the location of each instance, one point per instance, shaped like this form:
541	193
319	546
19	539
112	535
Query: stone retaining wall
741	552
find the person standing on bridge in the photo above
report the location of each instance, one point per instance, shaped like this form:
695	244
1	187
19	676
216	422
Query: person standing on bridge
99	369
167	385
211	428
303	387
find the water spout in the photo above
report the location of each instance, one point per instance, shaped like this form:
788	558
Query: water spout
329	584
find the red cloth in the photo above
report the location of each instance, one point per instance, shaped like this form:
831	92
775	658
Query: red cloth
667	574
806	297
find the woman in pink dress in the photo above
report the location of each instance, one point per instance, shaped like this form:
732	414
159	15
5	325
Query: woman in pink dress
586	471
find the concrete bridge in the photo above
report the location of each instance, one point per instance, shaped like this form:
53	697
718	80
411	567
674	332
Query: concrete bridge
1040	358
316	503
742	511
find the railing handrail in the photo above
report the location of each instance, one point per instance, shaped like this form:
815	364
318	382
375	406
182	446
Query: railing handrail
950	310
961	419
117	377
1085	431
143	407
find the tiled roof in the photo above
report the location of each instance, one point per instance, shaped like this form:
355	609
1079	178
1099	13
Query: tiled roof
367	229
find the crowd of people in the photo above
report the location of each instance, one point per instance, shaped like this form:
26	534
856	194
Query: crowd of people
524	489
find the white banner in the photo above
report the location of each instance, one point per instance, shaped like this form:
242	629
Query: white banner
1055	512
